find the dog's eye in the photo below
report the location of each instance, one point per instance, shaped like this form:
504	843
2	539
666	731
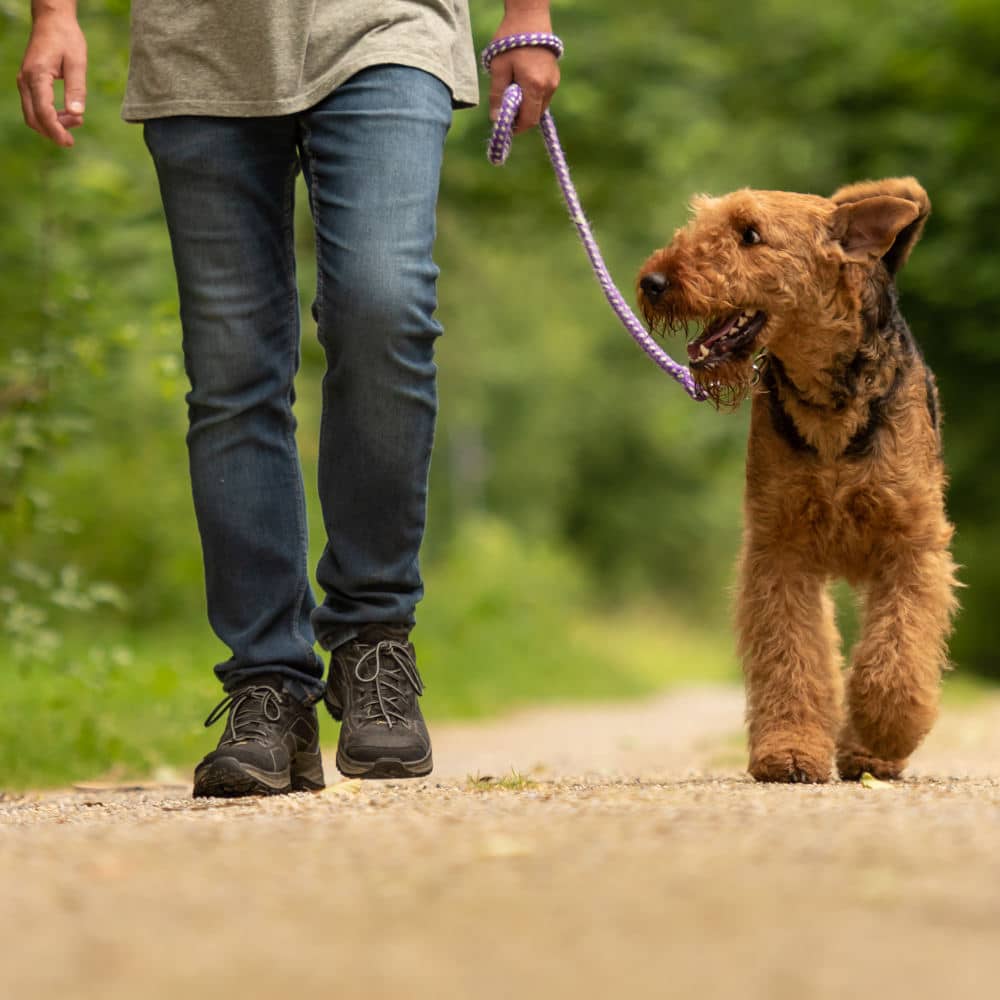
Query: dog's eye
751	236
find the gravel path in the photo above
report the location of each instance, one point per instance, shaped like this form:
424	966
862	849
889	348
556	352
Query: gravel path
631	858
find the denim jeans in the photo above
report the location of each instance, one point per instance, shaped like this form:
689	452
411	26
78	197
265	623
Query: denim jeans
371	156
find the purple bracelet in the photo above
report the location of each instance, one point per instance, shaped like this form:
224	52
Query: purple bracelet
535	39
501	140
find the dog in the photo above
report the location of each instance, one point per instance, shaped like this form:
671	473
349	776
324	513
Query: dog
794	302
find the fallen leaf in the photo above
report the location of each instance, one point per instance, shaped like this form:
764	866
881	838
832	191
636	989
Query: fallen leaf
870	781
350	787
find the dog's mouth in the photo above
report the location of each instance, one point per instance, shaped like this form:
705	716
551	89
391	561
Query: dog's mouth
726	338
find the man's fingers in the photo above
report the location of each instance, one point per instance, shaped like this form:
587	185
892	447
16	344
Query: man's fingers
57	50
43	101
531	111
75	76
501	77
69	120
536	72
27	110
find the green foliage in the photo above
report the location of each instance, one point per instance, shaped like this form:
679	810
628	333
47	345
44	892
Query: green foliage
557	438
505	624
508	621
80	303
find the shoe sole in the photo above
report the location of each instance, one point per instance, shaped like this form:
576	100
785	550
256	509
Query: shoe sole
307	772
384	767
229	778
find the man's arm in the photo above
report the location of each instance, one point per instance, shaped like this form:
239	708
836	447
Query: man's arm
56	50
534	70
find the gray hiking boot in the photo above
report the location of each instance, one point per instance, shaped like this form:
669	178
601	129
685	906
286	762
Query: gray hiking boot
373	687
270	745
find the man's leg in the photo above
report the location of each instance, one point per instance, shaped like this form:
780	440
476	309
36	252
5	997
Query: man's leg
372	155
227	188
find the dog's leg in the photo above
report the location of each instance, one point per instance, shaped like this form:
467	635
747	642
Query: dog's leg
790	650
896	669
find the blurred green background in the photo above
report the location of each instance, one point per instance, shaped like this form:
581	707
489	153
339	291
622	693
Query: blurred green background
585	515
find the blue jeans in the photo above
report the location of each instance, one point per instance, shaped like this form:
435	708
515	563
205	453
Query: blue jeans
371	155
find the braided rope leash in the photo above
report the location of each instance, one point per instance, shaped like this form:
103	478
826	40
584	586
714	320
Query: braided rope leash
500	144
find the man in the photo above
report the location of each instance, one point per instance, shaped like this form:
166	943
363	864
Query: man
235	99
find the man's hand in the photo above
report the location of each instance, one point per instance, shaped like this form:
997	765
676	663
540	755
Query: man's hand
535	70
56	50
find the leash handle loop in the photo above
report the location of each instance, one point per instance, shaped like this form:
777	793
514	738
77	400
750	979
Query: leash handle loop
502	136
500	143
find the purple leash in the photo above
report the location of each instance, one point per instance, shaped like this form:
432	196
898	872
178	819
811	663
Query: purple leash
499	148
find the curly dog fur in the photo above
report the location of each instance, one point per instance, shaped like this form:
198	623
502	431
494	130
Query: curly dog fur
794	300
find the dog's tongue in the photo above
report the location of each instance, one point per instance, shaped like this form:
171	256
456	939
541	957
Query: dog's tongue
699	347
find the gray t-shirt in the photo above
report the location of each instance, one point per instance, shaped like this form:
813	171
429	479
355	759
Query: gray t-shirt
275	57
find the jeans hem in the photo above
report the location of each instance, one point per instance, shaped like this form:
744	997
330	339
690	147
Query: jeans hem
303	687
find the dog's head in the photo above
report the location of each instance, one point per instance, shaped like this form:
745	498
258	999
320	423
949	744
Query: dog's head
794	273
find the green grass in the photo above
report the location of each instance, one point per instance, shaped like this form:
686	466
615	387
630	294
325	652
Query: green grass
135	708
513	782
963	690
129	705
506	623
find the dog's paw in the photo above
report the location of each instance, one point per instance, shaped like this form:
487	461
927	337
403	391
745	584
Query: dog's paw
853	762
885	732
791	765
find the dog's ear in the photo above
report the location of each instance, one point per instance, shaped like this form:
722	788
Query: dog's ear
881	219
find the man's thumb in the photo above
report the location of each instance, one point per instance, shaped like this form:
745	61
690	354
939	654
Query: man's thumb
75	77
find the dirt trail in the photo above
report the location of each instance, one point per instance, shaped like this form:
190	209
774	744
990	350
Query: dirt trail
635	859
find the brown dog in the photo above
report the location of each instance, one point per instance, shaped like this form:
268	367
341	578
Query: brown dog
797	305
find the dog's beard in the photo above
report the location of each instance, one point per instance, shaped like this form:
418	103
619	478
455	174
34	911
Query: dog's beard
726	384
726	381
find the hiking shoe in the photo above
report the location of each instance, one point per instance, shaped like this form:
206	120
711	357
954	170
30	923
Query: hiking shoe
270	745
373	689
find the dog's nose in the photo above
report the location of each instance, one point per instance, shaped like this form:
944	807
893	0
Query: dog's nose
654	284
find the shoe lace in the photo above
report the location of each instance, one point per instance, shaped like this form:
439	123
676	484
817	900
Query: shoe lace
250	710
391	670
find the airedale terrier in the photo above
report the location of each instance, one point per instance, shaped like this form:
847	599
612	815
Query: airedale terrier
795	301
